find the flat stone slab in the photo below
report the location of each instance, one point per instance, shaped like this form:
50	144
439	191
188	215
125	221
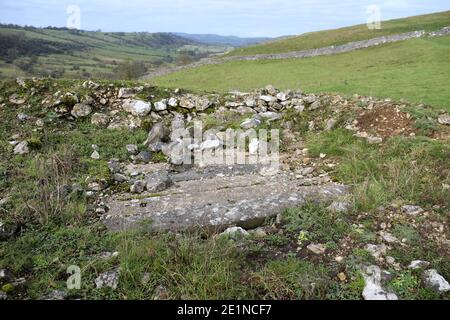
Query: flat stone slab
217	199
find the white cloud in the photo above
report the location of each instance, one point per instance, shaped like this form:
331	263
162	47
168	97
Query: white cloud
239	17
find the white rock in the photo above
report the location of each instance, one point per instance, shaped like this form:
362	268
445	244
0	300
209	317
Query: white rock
444	119
271	116
377	251
126	93
250	123
435	281
388	237
138	186
253	146
137	107
95	155
81	110
21	148
316	248
173	102
210	144
374	140
330	124
412	210
161	105
339	206
99	119
267	98
235	233
108	279
418	264
373	289
132	149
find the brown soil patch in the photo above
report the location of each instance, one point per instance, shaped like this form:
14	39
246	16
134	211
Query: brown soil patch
385	121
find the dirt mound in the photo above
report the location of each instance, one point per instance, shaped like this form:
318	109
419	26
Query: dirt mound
385	121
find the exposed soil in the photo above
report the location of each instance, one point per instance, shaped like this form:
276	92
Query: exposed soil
386	121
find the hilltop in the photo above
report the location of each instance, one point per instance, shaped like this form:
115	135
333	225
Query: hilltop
214	39
313	40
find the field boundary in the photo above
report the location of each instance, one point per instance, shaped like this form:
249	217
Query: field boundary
324	51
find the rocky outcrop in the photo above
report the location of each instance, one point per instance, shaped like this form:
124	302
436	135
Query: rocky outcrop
214	198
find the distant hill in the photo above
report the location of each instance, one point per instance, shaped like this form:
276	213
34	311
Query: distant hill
61	52
313	40
214	39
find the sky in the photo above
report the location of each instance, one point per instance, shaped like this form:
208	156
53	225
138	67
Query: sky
246	18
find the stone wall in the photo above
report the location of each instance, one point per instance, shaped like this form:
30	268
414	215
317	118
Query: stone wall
330	50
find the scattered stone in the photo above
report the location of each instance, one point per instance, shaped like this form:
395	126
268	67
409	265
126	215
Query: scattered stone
158	182
95	186
173	102
143	157
40	123
331	123
108	279
412	210
137	107
21	148
418	264
114	165
390	260
81	110
250	123
374	140
95	155
161	105
435	281
161	293
5	275
444	119
175	151
270	116
271	90
318	249
22	117
132	149
259	232
3	295
108	255
235	233
339	206
99	120
388	237
373	290
145	278
342	277
126	93
118	177
210	144
138	186
377	251
156	136
267	98
55	295
315	105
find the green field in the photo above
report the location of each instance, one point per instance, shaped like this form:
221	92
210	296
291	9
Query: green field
416	70
84	54
325	38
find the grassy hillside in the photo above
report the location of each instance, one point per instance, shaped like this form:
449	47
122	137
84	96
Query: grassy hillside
417	70
325	38
80	54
